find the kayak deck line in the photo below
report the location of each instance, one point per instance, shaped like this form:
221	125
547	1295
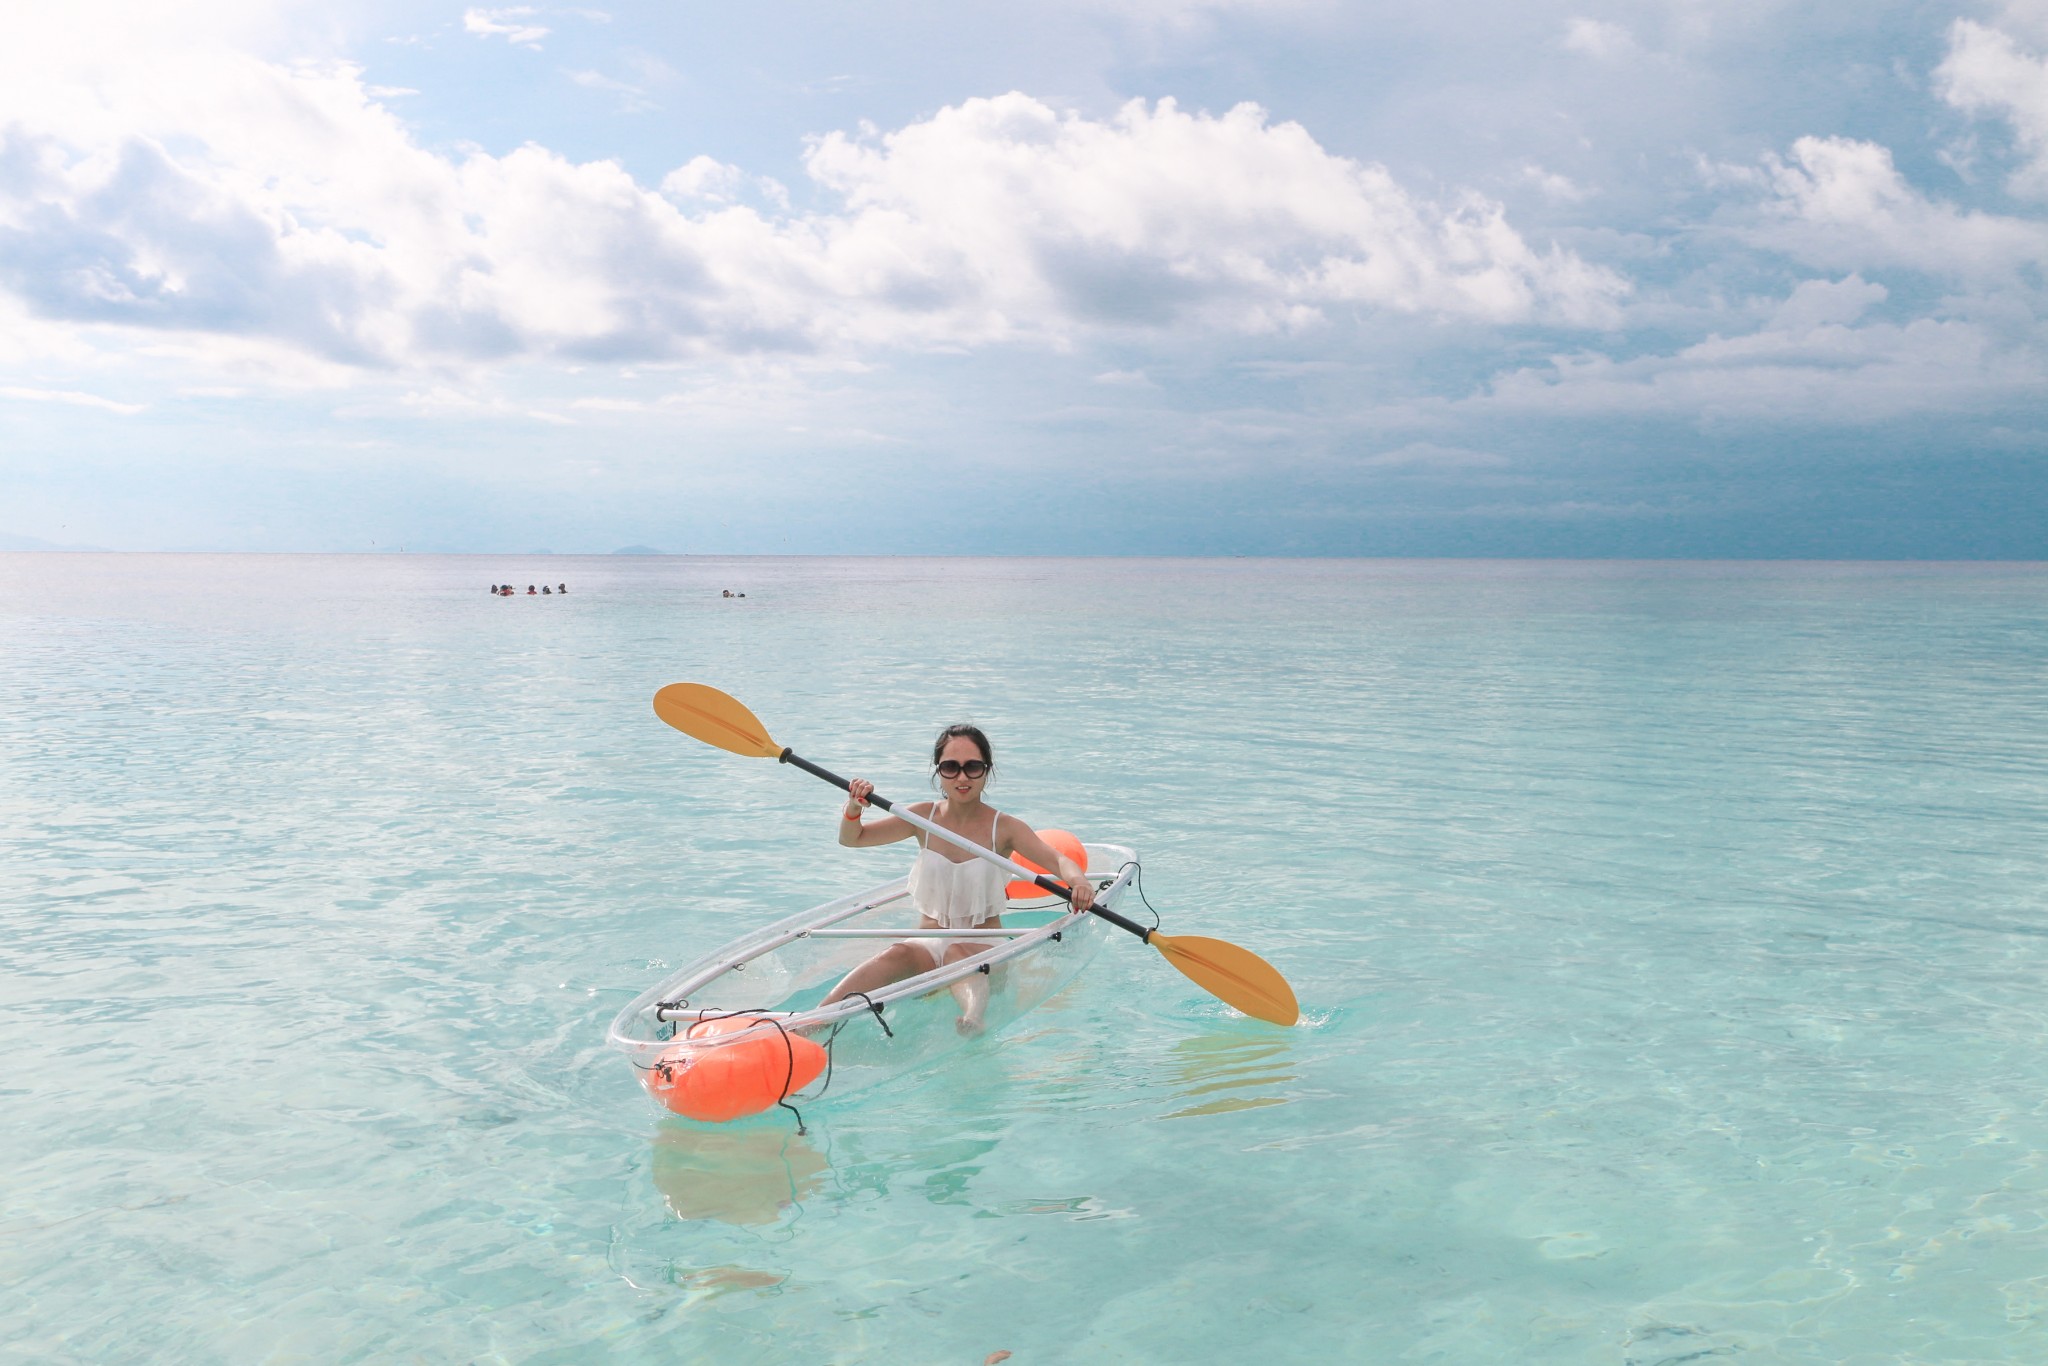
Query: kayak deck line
920	933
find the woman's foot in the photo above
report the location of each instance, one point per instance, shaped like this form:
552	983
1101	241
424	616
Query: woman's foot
972	994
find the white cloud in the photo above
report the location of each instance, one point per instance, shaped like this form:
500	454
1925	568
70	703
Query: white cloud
1188	19
1160	217
1819	303
2026	16
1598	39
73	398
510	24
212	197
1796	369
1553	187
649	69
1985	72
445	401
1842	204
706	178
632	99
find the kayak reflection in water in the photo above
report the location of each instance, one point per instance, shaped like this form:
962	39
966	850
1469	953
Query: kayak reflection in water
951	888
736	1176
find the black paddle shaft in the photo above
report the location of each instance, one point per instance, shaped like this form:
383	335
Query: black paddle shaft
1043	880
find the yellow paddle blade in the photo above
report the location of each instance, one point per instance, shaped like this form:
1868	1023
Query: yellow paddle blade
711	716
1237	977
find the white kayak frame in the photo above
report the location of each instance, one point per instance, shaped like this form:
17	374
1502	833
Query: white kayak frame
646	1026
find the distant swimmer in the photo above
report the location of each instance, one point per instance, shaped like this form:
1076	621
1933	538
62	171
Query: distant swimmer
561	588
529	590
726	594
546	591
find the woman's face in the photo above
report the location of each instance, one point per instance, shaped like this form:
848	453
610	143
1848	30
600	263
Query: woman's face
961	750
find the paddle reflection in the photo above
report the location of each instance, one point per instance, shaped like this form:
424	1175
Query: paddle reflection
1227	1072
746	1175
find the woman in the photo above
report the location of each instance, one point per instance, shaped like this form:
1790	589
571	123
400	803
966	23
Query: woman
951	888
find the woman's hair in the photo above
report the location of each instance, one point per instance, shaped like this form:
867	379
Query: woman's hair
955	732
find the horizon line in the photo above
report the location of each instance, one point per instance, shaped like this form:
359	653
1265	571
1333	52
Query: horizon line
928	555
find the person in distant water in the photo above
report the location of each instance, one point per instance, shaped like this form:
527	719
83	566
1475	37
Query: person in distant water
951	888
494	590
546	591
726	594
529	590
561	588
506	591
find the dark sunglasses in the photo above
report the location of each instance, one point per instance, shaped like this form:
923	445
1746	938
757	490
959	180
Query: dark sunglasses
953	768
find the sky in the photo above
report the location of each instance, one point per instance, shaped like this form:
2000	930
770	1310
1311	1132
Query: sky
1717	278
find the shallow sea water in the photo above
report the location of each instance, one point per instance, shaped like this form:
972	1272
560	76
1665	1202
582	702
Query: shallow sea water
1671	940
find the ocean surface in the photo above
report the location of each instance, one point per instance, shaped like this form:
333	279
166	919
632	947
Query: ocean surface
1672	941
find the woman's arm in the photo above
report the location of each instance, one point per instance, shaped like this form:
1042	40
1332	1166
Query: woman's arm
1025	843
854	833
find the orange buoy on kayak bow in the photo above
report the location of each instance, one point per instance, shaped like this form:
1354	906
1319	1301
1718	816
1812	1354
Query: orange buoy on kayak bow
1063	842
704	1077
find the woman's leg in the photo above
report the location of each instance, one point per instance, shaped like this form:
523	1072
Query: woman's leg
892	964
970	991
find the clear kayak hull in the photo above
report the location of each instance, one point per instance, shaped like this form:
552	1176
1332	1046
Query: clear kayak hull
762	993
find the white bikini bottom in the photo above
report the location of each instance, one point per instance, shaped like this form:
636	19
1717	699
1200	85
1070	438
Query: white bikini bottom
934	947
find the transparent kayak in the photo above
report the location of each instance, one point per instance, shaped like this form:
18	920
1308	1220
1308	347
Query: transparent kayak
743	1024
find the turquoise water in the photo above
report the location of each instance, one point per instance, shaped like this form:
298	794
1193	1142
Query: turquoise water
1671	940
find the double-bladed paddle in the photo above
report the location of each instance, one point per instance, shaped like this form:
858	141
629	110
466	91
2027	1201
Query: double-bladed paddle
1237	977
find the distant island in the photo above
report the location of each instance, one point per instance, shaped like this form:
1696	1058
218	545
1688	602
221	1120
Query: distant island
637	550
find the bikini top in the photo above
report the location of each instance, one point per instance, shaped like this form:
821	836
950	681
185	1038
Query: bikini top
958	895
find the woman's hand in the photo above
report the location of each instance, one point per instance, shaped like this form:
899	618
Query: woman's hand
1083	892
853	831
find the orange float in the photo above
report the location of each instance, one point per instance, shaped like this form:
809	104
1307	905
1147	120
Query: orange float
702	1077
1063	842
